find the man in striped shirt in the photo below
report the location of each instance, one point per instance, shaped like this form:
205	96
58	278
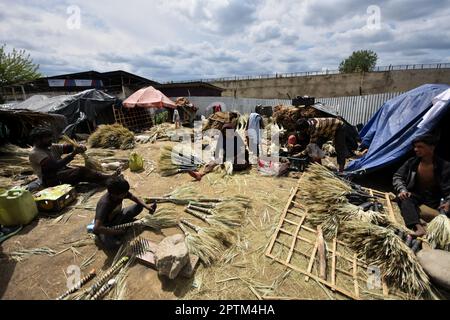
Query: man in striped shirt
321	130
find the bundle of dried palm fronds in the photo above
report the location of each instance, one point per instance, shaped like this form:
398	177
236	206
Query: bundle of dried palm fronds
112	136
89	162
381	247
207	248
172	162
438	232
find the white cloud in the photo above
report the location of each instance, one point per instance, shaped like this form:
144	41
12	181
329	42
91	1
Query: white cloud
189	39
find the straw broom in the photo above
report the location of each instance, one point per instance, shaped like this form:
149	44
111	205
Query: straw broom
382	247
182	196
162	218
205	247
438	232
89	162
229	218
78	285
223	234
221	237
171	163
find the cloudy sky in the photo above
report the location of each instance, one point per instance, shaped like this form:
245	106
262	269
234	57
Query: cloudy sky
170	40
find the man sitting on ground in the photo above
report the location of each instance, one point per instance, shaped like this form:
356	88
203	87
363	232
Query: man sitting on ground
109	211
51	169
423	179
323	129
239	157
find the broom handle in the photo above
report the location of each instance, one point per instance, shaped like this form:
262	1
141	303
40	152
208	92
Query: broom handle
183	228
202	204
208	211
105	276
78	285
126	225
198	215
209	200
191	225
157	199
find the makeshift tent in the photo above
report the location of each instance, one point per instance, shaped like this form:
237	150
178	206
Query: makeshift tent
389	133
92	105
148	98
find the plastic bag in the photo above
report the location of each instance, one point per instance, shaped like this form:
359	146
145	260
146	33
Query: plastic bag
136	162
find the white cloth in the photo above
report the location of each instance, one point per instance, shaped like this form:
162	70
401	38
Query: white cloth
176	116
254	125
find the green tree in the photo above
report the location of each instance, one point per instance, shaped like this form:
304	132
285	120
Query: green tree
359	61
16	66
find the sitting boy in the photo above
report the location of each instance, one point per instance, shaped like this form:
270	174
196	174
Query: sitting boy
109	211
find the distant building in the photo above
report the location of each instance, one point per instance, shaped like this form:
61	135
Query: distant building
119	83
187	89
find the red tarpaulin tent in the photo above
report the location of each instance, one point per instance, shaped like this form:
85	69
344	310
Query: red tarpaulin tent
148	98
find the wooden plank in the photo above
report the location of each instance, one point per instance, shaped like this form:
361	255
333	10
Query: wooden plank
328	284
321	248
333	263
311	260
355	275
385	288
390	209
280	223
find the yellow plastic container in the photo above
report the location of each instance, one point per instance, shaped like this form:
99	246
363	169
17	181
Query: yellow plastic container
17	207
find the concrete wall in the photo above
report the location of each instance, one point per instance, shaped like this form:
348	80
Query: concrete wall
335	85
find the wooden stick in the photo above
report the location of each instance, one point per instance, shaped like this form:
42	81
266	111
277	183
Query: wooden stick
355	275
294	241
255	293
311	260
322	254
333	263
390	209
338	289
280	223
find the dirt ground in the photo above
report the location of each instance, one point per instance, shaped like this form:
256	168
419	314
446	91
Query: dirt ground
242	273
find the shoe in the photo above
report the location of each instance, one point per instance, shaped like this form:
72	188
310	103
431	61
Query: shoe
7	232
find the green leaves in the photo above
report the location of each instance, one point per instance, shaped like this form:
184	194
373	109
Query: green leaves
16	66
359	61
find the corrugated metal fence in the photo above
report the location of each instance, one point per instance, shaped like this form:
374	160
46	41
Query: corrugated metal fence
354	109
357	109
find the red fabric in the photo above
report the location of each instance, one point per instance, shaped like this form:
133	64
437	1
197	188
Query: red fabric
148	98
292	140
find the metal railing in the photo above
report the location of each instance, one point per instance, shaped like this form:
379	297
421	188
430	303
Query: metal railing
318	73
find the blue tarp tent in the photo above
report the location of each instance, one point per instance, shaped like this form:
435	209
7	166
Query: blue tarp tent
390	132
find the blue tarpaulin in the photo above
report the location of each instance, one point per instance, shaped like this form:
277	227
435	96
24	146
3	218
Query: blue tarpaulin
390	132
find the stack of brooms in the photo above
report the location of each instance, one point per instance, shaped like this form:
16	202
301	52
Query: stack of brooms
221	216
369	233
172	161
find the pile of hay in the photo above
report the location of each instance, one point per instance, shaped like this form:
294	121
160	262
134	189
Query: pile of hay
112	136
287	116
218	119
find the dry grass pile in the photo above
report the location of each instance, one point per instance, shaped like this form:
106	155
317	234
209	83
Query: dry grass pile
438	233
113	136
383	248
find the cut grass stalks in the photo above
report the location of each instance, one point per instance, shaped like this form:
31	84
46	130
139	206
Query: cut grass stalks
89	162
438	233
205	247
223	234
229	219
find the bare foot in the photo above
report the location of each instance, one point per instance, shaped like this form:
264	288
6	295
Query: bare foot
196	175
420	231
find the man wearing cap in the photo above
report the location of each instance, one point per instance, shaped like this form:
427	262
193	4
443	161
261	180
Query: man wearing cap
423	179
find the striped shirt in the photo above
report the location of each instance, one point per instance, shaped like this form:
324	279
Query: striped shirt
323	128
